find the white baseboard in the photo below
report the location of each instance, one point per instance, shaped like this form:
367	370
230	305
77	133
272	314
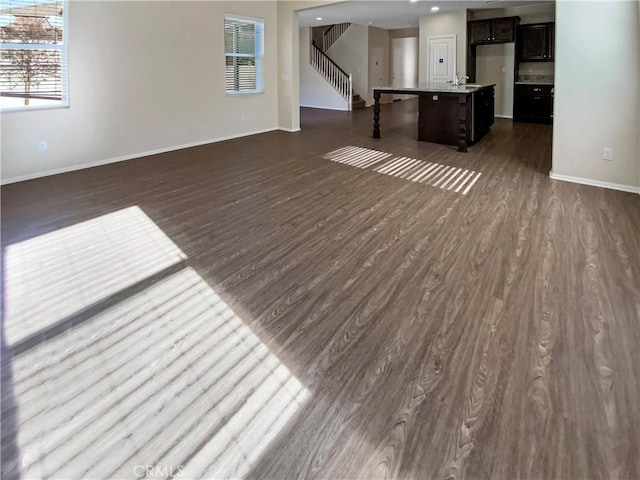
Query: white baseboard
594	183
510	117
345	109
290	130
122	158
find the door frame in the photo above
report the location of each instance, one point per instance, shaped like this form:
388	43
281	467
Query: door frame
376	48
409	46
392	70
455	50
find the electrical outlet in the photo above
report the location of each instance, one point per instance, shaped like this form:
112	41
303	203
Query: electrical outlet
242	117
607	153
42	146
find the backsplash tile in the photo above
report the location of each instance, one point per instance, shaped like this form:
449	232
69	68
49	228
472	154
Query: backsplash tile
535	78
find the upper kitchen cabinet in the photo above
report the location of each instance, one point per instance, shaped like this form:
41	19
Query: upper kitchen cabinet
494	30
480	31
504	29
535	42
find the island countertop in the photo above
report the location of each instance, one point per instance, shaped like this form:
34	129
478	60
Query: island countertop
455	113
435	88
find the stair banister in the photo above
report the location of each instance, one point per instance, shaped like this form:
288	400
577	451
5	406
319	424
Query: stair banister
333	33
340	80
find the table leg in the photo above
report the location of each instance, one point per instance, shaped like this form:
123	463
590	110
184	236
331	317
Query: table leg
376	114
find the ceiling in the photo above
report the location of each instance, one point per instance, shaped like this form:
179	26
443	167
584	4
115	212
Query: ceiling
392	14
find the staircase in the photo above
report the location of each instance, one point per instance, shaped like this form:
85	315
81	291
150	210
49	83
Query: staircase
333	33
332	73
357	102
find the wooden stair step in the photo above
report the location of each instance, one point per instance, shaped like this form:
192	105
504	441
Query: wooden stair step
357	102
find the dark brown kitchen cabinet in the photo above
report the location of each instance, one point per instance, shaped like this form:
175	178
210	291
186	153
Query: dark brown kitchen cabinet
504	29
483	109
551	31
533	103
535	42
480	32
439	118
494	30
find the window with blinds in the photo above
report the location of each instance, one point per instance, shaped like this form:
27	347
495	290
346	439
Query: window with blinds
33	61
244	53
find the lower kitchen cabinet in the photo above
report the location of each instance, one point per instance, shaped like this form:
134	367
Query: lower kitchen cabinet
533	103
483	109
439	119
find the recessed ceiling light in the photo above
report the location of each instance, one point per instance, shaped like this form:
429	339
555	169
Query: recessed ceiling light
435	9
318	18
370	23
413	1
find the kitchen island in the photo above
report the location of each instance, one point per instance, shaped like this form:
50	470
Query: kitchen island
448	114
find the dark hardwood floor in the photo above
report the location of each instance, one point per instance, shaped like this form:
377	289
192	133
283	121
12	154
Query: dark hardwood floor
412	331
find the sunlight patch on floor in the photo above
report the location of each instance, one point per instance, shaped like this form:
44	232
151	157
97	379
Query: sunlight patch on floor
166	381
56	275
356	156
445	177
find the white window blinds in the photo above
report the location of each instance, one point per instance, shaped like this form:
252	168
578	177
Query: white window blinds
33	62
244	53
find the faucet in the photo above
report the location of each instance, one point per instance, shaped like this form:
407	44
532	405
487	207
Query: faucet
458	79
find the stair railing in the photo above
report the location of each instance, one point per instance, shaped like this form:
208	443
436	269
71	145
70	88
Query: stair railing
333	33
332	73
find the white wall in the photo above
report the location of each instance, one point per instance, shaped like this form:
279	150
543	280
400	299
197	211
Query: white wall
596	92
288	49
142	77
446	23
379	37
315	91
405	32
288	66
350	52
494	64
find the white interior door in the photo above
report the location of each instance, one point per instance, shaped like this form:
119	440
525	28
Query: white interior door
377	68
441	59
397	72
404	52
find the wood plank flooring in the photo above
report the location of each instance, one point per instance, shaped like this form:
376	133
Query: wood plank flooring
395	329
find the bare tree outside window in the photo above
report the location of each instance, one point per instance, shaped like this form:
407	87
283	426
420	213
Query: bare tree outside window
33	67
31	60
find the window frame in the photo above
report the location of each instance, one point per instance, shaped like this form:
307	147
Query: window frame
258	56
64	65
